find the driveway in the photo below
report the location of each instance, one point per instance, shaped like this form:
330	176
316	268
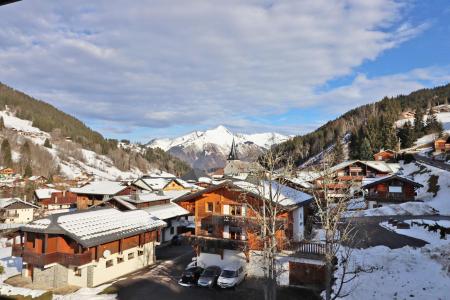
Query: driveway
434	163
368	232
161	282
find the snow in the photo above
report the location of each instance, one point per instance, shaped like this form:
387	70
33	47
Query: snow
166	211
100	188
44	193
281	194
420	232
408	208
404	273
220	136
441	201
87	294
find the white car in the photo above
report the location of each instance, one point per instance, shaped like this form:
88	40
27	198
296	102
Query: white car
231	276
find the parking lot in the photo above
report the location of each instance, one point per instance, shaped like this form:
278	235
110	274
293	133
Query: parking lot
161	282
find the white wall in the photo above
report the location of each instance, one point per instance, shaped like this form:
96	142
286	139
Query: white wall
298	224
102	274
229	257
25	216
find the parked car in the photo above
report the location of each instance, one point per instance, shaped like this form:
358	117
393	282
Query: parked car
175	241
209	276
232	275
190	276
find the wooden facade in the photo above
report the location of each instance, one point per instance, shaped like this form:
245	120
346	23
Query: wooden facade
224	220
85	201
41	249
384	155
393	189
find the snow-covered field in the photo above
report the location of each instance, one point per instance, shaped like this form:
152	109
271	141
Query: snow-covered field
405	273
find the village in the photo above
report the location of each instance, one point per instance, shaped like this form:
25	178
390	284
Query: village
86	236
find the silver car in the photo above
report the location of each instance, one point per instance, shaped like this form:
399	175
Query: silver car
209	276
231	276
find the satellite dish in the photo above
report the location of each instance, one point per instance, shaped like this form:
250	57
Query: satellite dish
106	253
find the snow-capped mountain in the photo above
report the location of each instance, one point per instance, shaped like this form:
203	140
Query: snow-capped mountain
208	149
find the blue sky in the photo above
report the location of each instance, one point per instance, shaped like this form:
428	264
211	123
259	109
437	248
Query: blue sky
146	69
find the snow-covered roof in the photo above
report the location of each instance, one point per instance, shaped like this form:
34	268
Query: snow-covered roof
160	174
96	226
381	166
279	193
44	193
5	202
389	177
143	197
166	211
100	188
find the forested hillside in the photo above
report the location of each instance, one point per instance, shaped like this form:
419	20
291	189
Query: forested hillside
372	126
70	136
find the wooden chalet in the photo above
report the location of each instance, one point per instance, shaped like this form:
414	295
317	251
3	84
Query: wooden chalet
60	200
161	184
392	189
385	155
349	175
86	248
16	211
7	171
159	205
95	192
225	216
442	145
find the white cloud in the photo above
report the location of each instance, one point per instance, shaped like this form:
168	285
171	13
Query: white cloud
165	63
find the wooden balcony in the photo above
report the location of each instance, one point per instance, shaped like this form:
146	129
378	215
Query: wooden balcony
217	243
41	260
389	197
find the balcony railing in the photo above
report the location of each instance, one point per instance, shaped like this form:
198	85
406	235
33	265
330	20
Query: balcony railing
43	259
309	249
389	197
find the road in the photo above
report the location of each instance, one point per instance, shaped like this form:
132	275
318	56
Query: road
434	163
368	232
161	282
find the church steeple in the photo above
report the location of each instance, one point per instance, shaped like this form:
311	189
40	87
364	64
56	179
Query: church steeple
233	152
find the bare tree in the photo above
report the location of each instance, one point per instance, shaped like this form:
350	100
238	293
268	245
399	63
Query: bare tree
331	198
264	198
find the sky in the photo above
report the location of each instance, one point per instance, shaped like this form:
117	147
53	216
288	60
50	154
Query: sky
145	69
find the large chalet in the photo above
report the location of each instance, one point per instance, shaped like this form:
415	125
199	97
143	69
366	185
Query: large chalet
86	248
391	189
95	192
225	216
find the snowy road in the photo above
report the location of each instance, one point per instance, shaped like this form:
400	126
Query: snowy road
433	163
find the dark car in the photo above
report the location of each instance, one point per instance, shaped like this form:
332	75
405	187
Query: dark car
175	241
209	276
190	276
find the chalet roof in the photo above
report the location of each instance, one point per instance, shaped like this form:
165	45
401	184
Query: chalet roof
284	195
143	197
381	166
100	188
44	193
6	202
386	150
389	178
166	211
96	226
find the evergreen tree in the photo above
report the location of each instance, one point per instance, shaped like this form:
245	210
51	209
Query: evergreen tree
406	135
2	123
365	151
338	152
433	125
418	123
47	143
28	171
354	145
6	156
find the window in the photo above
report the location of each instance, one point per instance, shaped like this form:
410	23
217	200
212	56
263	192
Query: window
130	255
77	272
395	189
209	206
120	260
140	252
172	230
109	263
236	210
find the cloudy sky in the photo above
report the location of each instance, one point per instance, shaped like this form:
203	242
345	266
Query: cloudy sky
142	69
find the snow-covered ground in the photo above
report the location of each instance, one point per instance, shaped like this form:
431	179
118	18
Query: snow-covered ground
99	165
405	273
420	232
